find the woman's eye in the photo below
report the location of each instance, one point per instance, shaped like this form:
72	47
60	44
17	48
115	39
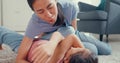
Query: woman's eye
40	12
50	7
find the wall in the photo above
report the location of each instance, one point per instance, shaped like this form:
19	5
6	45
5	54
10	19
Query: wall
16	14
95	2
0	11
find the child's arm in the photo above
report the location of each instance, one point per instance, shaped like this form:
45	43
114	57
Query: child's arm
77	42
43	52
64	46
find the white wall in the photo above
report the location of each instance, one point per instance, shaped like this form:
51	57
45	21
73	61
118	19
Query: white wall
95	2
0	12
16	14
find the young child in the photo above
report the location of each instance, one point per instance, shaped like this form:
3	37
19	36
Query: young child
72	51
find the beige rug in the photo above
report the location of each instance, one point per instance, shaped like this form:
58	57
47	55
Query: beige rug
7	56
115	57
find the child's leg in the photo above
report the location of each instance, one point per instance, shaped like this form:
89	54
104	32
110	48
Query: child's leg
66	30
91	47
103	48
1	47
11	38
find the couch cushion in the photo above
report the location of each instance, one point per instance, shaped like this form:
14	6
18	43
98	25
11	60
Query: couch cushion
97	14
85	7
116	1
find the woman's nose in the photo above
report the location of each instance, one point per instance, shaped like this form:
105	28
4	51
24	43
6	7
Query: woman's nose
48	14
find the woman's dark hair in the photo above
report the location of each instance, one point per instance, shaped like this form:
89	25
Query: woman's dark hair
30	2
60	18
78	58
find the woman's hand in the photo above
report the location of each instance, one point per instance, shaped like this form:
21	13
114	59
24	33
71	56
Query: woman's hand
42	52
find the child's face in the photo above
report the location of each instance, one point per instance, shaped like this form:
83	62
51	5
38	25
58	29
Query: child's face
77	51
46	10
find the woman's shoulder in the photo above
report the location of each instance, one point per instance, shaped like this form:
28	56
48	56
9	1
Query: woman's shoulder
68	6
65	3
34	17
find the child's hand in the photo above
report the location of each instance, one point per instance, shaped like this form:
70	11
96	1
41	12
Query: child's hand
71	52
42	53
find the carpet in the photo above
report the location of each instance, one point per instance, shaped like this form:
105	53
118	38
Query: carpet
7	56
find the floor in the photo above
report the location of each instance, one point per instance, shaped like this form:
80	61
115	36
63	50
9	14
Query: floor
115	57
114	41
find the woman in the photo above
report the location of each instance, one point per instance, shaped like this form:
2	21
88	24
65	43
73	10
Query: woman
50	15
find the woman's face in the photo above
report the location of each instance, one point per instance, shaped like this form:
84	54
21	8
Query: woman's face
46	10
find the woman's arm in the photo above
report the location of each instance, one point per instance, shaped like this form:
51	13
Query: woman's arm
23	50
74	24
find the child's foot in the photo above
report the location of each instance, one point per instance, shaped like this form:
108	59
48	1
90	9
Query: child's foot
1	47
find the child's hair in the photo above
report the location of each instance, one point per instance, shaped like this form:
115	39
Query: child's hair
81	58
